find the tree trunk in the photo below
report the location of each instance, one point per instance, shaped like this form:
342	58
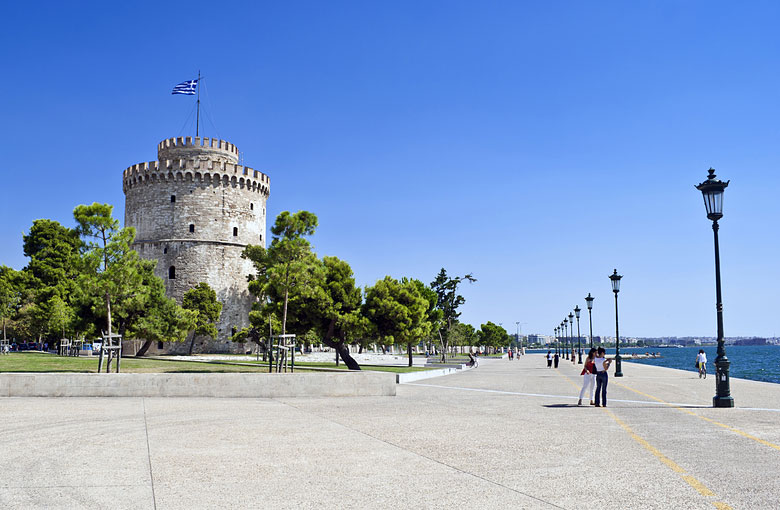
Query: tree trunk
145	347
192	343
105	268
340	347
360	349
343	351
262	347
409	351
443	348
284	314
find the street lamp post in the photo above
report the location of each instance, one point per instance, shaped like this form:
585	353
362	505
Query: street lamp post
566	338
556	339
571	337
579	341
712	190
589	300
517	337
616	288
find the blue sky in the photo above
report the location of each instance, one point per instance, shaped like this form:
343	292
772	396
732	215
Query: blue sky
537	145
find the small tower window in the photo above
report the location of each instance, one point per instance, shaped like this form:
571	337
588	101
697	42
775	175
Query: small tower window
251	206
233	332
173	198
235	231
172	273
165	250
159	345
192	227
261	238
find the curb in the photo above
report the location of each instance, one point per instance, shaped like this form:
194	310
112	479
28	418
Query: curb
427	374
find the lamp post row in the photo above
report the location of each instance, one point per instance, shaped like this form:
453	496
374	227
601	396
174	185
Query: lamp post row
562	333
712	191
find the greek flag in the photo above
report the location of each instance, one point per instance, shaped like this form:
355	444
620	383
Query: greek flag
186	87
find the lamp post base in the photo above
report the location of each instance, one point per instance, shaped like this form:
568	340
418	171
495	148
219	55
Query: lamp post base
618	366
722	401
722	396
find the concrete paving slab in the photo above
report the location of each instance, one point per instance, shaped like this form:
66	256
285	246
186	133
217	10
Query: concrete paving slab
505	435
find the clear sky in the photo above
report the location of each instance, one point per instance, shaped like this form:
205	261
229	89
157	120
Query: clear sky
537	145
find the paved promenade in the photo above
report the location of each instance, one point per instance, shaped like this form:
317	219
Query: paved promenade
505	435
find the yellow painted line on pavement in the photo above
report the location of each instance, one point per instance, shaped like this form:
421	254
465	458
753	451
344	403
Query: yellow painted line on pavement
704	491
690	480
710	420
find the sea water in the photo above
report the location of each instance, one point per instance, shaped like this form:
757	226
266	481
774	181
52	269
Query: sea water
756	362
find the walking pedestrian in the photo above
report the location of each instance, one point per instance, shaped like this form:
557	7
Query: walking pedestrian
588	377
549	359
602	365
556	358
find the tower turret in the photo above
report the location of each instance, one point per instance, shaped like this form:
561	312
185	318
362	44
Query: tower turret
197	148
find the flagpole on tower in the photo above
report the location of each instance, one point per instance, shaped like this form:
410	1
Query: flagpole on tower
197	115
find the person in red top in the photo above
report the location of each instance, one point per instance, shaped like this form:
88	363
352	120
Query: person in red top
589	377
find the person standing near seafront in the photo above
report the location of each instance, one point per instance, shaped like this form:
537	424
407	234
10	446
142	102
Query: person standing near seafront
602	365
701	363
589	377
549	359
556	358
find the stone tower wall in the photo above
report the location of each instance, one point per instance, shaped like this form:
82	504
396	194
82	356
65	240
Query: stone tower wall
195	211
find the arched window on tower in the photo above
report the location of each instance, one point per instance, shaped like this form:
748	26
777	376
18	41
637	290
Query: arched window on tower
172	273
235	231
251	206
173	198
192	227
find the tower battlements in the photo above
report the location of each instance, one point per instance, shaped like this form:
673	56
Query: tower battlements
203	172
193	147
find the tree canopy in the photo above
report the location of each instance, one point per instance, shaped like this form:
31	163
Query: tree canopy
398	311
202	301
493	335
448	301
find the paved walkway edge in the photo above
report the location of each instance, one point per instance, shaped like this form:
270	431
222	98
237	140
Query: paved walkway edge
426	374
331	384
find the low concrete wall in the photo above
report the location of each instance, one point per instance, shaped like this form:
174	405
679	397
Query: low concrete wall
427	374
345	384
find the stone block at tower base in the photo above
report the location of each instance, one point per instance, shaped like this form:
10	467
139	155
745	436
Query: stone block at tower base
331	384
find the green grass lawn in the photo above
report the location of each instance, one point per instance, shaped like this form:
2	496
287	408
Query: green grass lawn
342	366
44	362
378	368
